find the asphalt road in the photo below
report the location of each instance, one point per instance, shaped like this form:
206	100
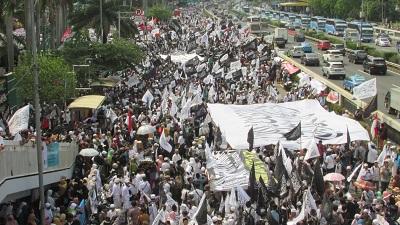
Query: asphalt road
384	82
391	48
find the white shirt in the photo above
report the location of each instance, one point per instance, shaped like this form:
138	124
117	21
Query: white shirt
176	157
330	161
372	155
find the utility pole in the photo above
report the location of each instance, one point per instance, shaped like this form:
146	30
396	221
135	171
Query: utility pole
101	21
37	115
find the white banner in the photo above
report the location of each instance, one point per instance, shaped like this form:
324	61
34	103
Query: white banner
148	98
164	143
271	121
237	65
19	121
365	90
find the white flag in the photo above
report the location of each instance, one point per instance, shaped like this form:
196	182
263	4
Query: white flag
160	217
164	143
148	98
366	89
243	197
382	156
237	65
111	115
132	81
312	150
286	160
354	172
173	110
19	121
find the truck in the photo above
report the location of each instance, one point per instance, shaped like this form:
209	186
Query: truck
281	33
392	101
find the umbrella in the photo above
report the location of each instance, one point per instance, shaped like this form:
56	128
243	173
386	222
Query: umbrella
146	129
334	177
364	185
89	152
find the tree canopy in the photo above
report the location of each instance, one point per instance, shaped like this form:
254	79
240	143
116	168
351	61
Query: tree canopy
113	56
53	72
345	9
160	12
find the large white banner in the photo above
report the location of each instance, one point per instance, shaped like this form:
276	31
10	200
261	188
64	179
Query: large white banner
19	121
365	90
271	121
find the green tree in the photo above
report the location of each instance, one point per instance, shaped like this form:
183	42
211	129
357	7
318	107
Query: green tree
116	55
160	12
55	78
88	16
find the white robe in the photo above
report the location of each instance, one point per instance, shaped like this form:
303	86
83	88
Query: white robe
126	197
116	194
152	212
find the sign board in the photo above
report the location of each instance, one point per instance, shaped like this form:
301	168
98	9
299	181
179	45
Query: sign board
53	154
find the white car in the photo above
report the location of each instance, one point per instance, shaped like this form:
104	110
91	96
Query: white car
382	41
333	56
296	52
334	69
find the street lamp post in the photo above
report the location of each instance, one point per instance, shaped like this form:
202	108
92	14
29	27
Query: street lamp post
39	146
101	21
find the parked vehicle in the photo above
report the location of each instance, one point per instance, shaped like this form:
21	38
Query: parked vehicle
281	33
375	65
306	47
353	81
295	52
392	101
333	56
339	47
357	56
334	69
382	41
299	37
323	45
310	59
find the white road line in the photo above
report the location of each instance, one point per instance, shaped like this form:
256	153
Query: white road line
396	73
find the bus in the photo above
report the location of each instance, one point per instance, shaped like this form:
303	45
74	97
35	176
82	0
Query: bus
305	21
298	19
335	27
318	23
365	30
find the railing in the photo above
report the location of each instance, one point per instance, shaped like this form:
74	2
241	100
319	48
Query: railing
20	161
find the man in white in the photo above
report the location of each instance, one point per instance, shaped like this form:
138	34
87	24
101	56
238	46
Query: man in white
176	157
116	193
126	196
153	211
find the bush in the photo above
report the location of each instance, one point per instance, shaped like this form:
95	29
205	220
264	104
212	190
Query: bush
351	45
394	59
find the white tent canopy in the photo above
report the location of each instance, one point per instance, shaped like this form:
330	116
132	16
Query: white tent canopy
182	58
271	121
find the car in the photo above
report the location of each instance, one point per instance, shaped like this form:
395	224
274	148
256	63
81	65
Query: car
334	69
297	25
310	59
339	47
382	41
375	65
323	45
296	52
353	81
306	47
290	26
357	56
384	35
299	37
333	56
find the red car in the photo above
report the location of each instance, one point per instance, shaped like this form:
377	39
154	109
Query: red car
323	45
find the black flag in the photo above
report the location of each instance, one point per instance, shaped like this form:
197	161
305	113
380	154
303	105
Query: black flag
201	216
250	138
318	179
261	204
371	107
294	134
252	190
348	141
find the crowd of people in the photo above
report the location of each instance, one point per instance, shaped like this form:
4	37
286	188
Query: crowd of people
153	128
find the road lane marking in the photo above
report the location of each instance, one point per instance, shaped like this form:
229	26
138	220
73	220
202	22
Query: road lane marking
395	73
